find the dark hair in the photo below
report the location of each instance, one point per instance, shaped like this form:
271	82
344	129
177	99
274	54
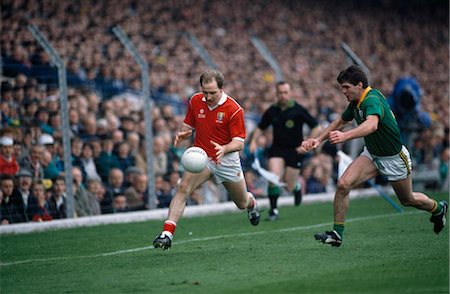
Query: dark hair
211	75
353	75
60	178
280	83
6	177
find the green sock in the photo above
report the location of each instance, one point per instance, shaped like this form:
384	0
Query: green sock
297	187
438	208
339	228
274	193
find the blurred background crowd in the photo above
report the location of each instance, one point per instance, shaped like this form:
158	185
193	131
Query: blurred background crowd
395	39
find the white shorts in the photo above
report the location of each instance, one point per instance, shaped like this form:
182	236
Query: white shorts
395	168
228	170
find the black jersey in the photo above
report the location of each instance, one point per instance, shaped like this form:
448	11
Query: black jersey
287	124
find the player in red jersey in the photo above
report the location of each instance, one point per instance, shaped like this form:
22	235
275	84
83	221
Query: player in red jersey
218	121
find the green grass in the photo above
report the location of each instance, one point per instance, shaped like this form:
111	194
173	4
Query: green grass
383	252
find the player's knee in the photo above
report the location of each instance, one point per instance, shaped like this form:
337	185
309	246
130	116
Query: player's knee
185	188
343	185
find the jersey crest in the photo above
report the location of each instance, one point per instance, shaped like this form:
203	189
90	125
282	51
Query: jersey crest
220	117
289	124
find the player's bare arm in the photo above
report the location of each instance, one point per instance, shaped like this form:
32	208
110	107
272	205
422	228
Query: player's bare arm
182	135
234	145
314	133
313	143
369	126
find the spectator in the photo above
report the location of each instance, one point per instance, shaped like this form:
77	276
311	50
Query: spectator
137	194
39	212
89	131
50	170
25	179
130	174
88	163
57	202
32	162
315	182
113	189
8	163
160	159
124	156
17	63
6	92
444	161
76	150
141	157
95	187
128	125
107	160
42	120
10	211
82	197
55	122
96	148
52	146
74	121
120	204
134	141
164	192
172	77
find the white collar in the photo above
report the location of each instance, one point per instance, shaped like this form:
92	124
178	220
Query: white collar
221	101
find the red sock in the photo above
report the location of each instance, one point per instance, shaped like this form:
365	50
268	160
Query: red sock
169	226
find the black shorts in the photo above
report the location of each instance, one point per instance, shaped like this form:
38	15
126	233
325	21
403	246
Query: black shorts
290	156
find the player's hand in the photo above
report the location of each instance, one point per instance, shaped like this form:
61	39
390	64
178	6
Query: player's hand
310	144
220	150
182	135
336	137
301	150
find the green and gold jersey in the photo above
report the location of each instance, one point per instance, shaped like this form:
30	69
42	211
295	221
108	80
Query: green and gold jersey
385	141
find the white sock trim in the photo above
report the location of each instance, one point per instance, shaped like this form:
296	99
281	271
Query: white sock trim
171	222
168	234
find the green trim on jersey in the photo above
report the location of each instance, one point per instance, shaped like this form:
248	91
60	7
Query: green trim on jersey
385	141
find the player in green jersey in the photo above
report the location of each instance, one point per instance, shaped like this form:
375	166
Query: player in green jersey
383	153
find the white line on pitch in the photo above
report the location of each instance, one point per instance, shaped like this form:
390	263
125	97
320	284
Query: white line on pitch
205	239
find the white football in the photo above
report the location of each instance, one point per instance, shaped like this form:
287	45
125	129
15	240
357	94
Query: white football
194	159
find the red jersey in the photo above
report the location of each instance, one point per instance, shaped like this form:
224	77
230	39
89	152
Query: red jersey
220	124
10	167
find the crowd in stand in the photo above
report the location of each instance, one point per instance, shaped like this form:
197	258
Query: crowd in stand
107	127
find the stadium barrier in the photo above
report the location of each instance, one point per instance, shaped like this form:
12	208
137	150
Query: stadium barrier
161	214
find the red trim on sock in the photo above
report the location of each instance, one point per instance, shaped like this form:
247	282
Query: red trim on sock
252	204
170	226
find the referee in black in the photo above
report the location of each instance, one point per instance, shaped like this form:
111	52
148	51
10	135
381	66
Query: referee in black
285	154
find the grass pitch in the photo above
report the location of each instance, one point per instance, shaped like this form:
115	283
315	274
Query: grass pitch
383	252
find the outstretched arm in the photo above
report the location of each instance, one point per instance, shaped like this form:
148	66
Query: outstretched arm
314	133
369	126
313	143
